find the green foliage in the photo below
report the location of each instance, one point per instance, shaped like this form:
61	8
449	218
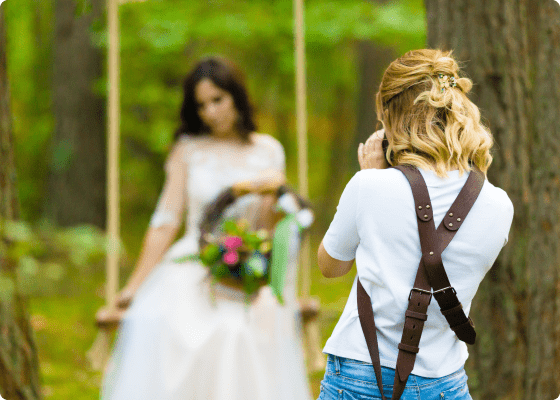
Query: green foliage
232	228
82	7
210	254
44	255
160	42
7	287
29	29
64	331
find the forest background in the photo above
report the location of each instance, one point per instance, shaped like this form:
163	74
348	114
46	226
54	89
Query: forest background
56	68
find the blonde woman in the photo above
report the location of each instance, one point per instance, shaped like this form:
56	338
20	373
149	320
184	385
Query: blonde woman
437	142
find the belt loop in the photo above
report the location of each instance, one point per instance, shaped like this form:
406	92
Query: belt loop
337	365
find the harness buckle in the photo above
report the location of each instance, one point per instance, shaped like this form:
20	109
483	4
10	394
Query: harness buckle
420	291
444	289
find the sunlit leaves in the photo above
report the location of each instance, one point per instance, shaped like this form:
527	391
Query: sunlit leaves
160	42
243	23
42	255
7	288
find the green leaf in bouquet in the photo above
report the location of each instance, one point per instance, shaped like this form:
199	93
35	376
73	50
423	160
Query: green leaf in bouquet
250	284
210	254
231	228
252	241
190	257
219	271
280	251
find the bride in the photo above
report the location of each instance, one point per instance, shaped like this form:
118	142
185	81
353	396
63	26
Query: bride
181	338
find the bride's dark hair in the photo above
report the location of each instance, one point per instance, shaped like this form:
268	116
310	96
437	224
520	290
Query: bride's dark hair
224	74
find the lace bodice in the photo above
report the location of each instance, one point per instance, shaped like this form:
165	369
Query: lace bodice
199	168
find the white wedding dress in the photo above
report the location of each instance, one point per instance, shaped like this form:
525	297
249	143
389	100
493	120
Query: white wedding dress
183	339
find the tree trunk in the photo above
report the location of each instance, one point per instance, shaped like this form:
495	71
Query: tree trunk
77	181
512	53
373	60
341	148
19	372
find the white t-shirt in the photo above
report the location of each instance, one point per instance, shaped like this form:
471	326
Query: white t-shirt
376	224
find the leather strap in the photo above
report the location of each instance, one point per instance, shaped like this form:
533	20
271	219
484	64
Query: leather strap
431	273
434	242
367	321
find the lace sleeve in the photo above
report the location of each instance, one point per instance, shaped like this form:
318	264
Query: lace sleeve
172	201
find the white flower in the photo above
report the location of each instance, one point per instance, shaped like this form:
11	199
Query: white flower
287	203
305	217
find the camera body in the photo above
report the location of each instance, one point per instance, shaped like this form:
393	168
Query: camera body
385	146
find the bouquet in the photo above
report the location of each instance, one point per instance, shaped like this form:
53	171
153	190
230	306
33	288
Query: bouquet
247	259
239	257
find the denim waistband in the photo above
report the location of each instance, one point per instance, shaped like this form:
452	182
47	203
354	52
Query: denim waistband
363	372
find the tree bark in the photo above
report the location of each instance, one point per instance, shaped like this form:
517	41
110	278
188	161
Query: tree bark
373	59
511	50
19	372
340	149
77	176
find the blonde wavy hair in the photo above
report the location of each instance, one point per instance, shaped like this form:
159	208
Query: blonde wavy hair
428	124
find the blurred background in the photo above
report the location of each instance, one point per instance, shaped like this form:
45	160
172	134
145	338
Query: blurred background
53	90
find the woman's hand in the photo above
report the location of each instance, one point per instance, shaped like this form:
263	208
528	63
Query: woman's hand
371	155
108	317
111	316
124	297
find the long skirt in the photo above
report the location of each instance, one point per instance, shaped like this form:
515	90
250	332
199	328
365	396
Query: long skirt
184	337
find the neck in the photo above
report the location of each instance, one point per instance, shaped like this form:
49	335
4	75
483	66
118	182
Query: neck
230	136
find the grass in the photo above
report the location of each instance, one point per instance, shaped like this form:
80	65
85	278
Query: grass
64	329
63	321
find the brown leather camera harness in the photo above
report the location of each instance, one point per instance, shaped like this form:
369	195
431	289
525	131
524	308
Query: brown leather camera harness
431	274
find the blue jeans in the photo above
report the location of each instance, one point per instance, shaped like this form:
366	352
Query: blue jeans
347	379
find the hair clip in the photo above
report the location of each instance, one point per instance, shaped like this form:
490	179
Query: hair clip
445	81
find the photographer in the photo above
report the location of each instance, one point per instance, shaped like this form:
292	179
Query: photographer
413	347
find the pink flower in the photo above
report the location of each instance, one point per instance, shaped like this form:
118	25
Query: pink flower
233	242
231	258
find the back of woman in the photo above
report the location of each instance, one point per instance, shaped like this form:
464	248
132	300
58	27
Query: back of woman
431	125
